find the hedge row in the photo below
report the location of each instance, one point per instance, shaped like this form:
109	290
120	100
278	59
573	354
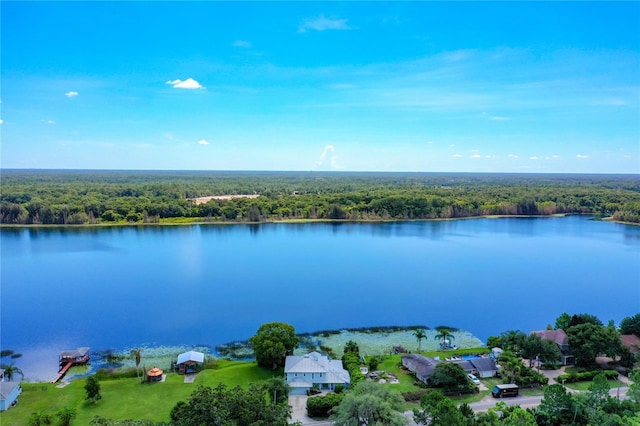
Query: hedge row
319	406
586	376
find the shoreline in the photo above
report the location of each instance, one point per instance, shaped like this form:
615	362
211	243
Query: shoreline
302	221
41	363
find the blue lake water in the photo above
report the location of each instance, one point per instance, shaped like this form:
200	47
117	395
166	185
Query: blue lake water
121	287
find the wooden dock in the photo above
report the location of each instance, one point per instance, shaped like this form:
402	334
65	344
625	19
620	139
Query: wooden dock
62	372
68	359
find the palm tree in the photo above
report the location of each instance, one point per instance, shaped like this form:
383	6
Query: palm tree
444	334
11	370
420	334
137	353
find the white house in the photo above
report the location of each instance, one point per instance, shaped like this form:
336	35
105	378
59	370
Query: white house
304	372
9	392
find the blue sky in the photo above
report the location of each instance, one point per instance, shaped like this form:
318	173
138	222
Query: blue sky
345	86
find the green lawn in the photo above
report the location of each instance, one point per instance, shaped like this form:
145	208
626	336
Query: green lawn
127	398
584	386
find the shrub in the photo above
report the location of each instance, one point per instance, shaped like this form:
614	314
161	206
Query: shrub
319	406
586	376
415	395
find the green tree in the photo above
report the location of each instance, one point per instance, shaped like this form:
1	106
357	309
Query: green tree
369	403
557	407
66	415
631	325
137	355
92	387
451	377
40	419
444	334
221	406
10	370
272	343
419	335
587	340
278	390
563	321
438	410
634	390
515	416
351	346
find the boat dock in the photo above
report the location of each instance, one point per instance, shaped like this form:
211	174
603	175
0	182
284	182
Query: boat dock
68	359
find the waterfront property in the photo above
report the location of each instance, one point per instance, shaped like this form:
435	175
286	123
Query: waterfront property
314	371
560	338
420	365
68	359
423	366
9	392
189	362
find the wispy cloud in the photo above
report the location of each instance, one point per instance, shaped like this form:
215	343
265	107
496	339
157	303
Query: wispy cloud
71	94
189	83
333	159
533	158
242	43
581	156
321	24
203	142
456	156
476	156
512	156
500	118
48	121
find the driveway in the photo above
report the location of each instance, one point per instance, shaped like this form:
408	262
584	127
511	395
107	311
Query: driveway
298	405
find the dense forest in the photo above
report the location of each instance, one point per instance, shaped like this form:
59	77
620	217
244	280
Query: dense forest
68	197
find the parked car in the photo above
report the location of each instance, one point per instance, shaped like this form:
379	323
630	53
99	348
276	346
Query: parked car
474	379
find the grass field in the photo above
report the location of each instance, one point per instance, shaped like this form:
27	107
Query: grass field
127	398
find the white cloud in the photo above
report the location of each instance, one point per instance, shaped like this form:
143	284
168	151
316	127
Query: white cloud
333	159
456	156
48	121
555	156
533	158
203	142
475	156
186	84
242	43
452	146
1	121
581	156
490	156
321	24
71	94
500	118
512	156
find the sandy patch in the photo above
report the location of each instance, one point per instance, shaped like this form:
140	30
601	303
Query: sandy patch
202	200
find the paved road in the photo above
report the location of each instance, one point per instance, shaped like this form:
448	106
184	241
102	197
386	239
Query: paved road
300	413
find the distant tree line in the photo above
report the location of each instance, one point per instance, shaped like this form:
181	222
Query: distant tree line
94	197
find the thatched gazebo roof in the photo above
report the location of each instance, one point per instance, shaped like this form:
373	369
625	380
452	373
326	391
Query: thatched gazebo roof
155	372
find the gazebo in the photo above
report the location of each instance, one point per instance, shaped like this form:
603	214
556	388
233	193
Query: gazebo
189	362
154	375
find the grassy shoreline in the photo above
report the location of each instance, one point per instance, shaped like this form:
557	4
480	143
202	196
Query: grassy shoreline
187	221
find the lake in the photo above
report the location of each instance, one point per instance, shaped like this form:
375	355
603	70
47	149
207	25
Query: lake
123	287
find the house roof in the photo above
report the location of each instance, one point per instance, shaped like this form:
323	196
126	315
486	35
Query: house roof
421	365
315	362
484	364
6	388
631	341
190	356
558	336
